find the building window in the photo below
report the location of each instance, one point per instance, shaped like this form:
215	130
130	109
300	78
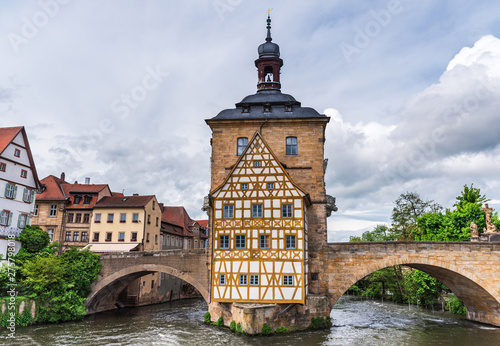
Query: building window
22	221
243	279
254	280
288	108
133	237
242	144
153	205
97	218
86	218
149	219
246	109
77	199
147	237
3	166
85	236
270	186
29	195
50	232
110	217
264	242
291	145
123	217
223	242
76	236
156	239
189	244
35	211
135	217
96	236
256	163
70	218
78	218
228	211
121	236
10	191
222	279
287	280
87	199
256	210
24	173
53	210
290	242
5	215
68	236
286	210
244	186
240	242
157	221
267	109
17	152
109	236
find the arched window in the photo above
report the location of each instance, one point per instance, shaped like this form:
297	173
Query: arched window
291	145
241	145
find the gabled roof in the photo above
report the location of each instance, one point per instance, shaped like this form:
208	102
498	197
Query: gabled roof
178	216
83	188
203	223
52	189
172	228
250	146
7	135
123	202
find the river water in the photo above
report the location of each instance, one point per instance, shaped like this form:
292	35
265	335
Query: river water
356	322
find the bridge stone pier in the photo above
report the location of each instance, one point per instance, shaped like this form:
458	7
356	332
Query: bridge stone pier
470	270
120	269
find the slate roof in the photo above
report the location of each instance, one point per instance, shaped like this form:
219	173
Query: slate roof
123	202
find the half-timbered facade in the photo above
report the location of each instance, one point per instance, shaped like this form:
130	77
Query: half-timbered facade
259	232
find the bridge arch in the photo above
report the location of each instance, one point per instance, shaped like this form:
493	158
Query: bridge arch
106	289
480	297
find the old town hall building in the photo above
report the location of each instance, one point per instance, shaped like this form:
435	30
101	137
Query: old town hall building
268	204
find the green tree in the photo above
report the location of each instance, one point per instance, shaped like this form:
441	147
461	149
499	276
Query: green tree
82	268
470	195
34	239
408	208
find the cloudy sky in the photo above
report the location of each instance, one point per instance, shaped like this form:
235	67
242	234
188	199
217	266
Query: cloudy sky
118	91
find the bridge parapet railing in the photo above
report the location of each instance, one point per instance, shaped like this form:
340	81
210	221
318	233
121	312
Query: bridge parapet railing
136	254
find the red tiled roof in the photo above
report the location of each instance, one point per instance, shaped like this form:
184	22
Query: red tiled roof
203	223
117	194
83	188
171	228
52	189
124	201
7	135
178	216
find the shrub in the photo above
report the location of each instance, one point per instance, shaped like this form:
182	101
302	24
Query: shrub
220	322
238	328
456	306
232	326
34	239
281	330
320	323
267	329
207	317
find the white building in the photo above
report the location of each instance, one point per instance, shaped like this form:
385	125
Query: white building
18	184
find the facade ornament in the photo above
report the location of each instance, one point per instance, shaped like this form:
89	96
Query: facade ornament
490	227
473	230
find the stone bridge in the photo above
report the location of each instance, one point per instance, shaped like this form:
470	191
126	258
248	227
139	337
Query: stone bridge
470	270
120	269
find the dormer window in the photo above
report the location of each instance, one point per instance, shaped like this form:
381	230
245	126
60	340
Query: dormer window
288	108
87	199
246	109
77	199
267	108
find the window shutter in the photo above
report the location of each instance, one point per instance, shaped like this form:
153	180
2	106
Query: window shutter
33	192
19	221
7	189
15	192
28	220
24	194
10	218
1	215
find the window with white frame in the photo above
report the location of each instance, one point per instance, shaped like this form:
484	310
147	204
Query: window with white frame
254	280
28	195
222	279
50	232
97	218
135	217
256	210
243	279
290	242
35	210
223	242
53	210
291	146
286	210
4	217
242	144
228	211
287	280
240	241
10	190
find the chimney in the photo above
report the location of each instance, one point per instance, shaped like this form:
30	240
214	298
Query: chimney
87	181
63	176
